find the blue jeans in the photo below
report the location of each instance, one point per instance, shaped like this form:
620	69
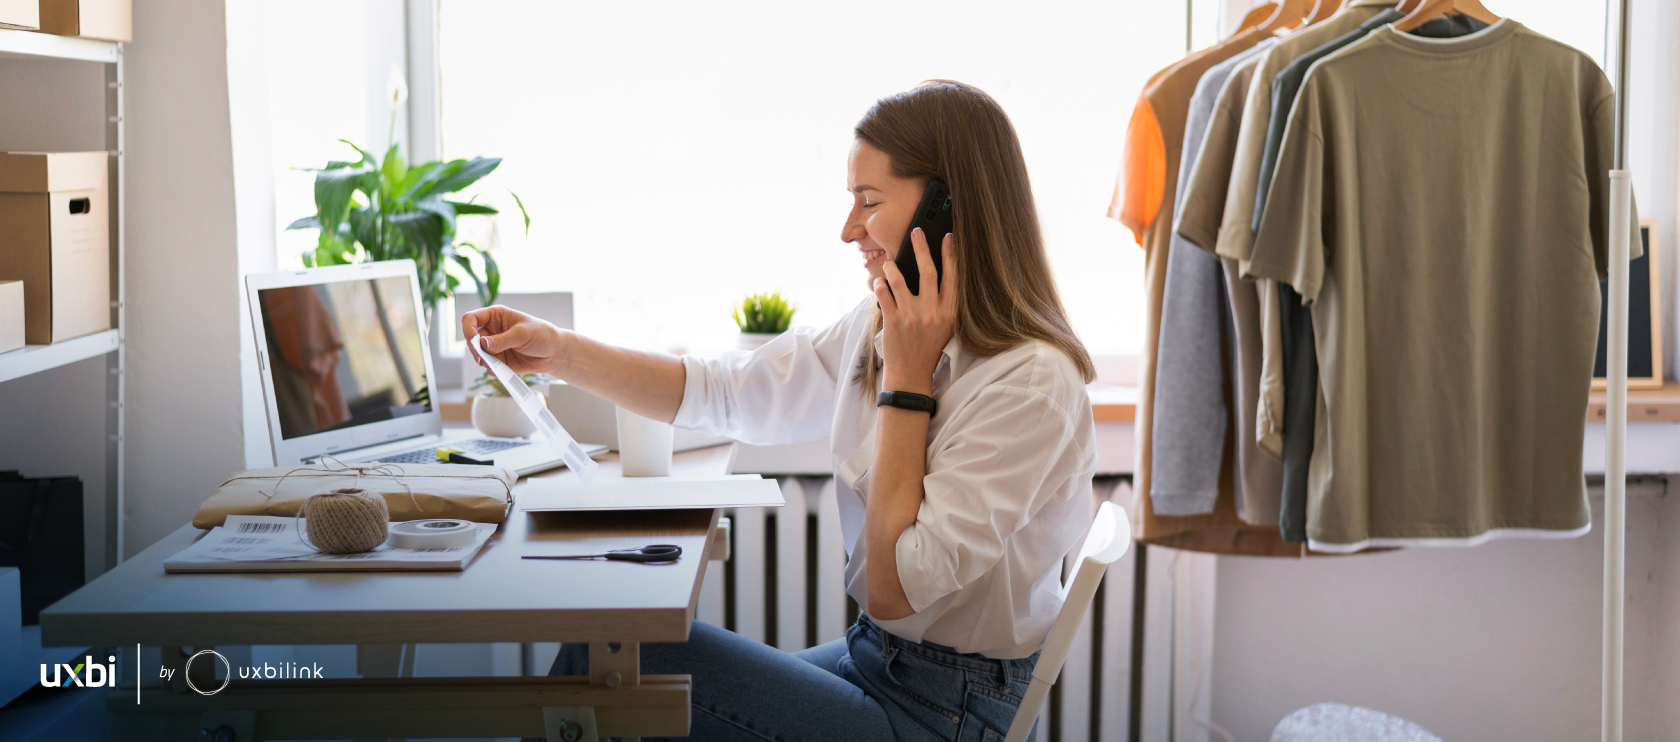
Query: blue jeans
870	685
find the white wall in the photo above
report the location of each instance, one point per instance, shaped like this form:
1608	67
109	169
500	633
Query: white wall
1653	120
250	122
1654	158
1658	689
184	406
1498	642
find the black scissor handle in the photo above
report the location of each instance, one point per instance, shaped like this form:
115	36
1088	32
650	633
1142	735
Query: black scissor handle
647	554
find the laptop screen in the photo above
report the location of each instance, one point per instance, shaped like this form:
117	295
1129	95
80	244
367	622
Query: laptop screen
344	353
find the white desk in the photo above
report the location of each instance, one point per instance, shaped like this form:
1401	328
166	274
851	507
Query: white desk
498	598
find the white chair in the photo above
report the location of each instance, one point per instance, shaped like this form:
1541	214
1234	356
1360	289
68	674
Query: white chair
1108	539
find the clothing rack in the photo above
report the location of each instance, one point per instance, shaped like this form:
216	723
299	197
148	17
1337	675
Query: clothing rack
1615	470
1615	460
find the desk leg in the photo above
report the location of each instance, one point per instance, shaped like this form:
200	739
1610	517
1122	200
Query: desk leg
615	664
385	661
570	724
176	660
173	661
212	725
612	665
228	726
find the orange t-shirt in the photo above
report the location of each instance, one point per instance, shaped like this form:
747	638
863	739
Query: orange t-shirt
1143	172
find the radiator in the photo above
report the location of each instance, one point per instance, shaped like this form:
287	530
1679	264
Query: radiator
783	586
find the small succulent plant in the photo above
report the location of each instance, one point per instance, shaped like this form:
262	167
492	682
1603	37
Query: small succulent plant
767	313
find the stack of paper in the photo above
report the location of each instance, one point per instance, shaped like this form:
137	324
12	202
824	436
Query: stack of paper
267	543
650	493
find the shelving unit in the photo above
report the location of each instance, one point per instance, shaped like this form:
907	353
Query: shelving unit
37	359
33	359
33	45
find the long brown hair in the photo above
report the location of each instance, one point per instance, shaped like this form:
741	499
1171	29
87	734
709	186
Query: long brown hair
1006	296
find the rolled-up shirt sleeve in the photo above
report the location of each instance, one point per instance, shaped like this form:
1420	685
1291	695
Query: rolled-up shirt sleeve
782	392
1011	457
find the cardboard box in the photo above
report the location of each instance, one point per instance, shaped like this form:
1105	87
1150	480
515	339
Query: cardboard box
11	315
110	20
24	14
55	237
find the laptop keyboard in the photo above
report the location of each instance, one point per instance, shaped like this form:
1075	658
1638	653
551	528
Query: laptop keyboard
474	447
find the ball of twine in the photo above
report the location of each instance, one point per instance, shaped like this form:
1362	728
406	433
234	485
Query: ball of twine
346	521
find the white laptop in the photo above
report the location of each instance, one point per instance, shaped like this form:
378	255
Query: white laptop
346	372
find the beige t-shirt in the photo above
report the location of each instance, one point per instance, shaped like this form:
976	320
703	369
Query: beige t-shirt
1235	238
1442	204
1260	472
1236	227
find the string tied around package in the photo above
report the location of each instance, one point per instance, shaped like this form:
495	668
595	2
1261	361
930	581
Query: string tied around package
347	520
332	465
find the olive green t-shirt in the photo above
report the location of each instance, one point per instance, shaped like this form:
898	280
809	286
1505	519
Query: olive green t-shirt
1443	205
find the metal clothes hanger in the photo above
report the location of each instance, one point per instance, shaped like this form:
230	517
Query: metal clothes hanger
1431	9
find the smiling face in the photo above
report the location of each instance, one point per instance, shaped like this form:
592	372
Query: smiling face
882	206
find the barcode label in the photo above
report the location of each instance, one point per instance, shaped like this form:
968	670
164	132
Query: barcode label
439	550
261	527
230	549
245	540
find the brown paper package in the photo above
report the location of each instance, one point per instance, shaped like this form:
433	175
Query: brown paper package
481	494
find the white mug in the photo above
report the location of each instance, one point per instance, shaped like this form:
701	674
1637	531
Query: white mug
644	445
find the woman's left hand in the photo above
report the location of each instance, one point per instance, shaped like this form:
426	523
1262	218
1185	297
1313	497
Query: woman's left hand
916	327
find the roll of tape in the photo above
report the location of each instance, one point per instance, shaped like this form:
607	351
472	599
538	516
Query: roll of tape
432	534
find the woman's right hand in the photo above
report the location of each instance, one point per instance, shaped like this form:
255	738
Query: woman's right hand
526	344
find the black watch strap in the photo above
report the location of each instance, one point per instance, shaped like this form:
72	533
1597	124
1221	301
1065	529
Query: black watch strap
907	401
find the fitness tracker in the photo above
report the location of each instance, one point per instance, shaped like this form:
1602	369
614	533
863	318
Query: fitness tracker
907	401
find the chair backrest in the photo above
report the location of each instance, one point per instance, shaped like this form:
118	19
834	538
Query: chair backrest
1108	539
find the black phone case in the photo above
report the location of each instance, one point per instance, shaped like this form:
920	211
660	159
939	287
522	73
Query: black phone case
934	217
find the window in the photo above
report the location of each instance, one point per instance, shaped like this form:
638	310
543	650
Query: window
1573	22
677	158
316	99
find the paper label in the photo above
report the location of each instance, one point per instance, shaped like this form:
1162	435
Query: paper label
536	410
268	538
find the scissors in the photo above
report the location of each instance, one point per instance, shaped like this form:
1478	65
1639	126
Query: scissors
655	554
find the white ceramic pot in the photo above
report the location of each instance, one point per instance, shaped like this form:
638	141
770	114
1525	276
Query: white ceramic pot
500	417
751	340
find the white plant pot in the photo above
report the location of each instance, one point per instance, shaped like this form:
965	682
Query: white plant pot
752	340
500	417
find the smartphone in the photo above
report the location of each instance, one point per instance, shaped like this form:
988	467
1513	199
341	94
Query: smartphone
934	217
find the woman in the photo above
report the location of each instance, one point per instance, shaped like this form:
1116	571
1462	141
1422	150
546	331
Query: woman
956	522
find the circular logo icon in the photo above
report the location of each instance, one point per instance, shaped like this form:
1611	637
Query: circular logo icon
186	672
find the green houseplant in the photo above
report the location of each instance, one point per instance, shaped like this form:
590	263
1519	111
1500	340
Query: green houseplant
369	209
761	317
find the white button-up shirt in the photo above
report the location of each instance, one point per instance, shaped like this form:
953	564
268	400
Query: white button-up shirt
1007	493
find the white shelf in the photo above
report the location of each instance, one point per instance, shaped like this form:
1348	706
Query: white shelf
36	358
30	44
